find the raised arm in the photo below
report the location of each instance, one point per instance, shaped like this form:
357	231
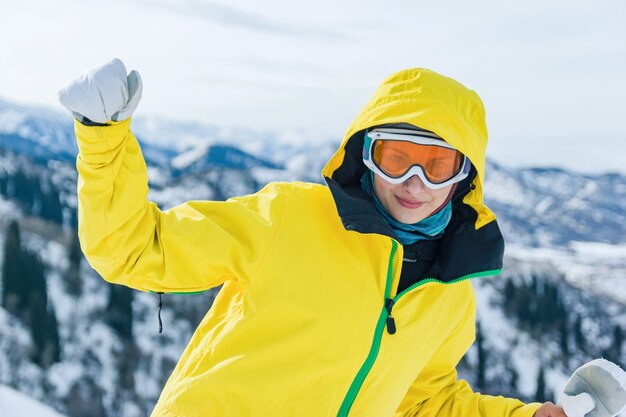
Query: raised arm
129	241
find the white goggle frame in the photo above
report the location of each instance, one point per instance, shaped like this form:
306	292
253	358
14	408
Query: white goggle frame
395	134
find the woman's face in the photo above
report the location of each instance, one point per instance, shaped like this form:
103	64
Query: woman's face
411	201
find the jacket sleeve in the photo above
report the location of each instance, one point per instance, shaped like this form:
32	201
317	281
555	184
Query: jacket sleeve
437	393
191	247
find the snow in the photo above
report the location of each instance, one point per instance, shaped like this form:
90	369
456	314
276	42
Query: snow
267	175
188	189
599	250
524	353
189	157
8	211
504	189
595	266
63	375
16	404
544	204
157	176
11	120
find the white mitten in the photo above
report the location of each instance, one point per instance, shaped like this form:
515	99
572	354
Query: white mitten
103	94
596	389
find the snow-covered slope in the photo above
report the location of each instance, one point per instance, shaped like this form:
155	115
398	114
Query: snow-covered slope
16	404
599	268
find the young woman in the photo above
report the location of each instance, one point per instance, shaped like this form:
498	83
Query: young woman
346	299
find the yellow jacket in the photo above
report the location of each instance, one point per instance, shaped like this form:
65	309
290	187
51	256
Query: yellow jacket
299	326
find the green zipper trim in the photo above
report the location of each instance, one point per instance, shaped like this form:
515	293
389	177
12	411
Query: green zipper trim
357	383
489	273
348	401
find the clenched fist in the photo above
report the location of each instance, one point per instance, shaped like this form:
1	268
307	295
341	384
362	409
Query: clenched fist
103	94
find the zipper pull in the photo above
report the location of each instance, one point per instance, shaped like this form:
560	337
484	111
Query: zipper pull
391	323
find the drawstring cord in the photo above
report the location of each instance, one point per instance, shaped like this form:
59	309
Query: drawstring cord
159	314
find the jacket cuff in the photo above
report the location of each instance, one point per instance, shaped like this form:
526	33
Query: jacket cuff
527	410
98	140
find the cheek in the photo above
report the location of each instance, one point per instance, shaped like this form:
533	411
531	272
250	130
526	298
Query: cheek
381	186
442	194
384	192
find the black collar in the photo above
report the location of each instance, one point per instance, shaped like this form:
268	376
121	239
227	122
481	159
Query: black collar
464	250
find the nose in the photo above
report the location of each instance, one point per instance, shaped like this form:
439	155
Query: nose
414	184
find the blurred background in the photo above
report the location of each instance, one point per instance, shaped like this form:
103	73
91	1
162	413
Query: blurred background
240	93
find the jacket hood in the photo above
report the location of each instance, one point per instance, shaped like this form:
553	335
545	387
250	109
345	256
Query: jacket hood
428	100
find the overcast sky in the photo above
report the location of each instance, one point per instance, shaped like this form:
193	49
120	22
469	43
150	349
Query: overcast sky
552	74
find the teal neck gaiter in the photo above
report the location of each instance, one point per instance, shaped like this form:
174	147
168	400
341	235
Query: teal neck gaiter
430	228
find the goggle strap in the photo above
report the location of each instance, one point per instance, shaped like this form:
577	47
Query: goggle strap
417	139
367	145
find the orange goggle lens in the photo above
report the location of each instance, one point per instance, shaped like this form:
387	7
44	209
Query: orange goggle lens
396	157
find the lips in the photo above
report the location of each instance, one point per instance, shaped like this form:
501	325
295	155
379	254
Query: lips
408	203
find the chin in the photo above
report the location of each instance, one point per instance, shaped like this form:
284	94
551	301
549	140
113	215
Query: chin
408	218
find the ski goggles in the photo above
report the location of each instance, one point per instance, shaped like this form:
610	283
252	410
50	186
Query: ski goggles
398	154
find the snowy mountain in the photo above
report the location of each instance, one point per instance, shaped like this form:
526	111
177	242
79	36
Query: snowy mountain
544	206
536	206
46	134
36	131
566	248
